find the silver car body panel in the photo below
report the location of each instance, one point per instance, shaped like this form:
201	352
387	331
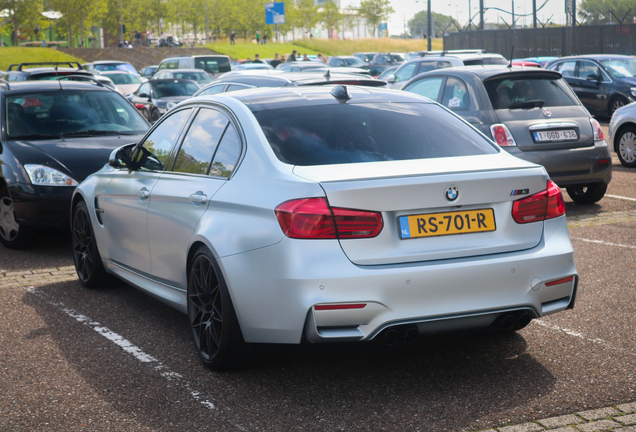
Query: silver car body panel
621	117
275	281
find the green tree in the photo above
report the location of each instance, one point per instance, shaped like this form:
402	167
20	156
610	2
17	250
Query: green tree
22	14
330	16
375	12
307	15
418	25
598	11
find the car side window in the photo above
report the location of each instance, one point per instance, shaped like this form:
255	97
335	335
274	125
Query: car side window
456	95
406	72
233	87
217	88
227	154
154	153
567	69
428	87
144	89
588	68
197	149
173	64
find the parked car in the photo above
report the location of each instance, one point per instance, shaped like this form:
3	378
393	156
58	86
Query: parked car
346	61
37	71
252	66
532	114
387	59
418	65
604	83
125	82
526	63
325	214
54	135
110	65
365	56
148	71
99	79
168	41
153	98
196	75
241	81
215	65
299	66
387	73
622	135
543	61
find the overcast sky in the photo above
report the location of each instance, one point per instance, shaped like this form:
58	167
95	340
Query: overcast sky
458	9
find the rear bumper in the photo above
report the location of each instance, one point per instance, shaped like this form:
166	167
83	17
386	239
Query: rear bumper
275	289
42	206
572	166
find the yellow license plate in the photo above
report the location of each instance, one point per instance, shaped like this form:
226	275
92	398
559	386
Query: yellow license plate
448	223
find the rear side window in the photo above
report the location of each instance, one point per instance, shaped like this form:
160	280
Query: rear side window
456	95
198	147
427	87
527	92
227	155
213	64
355	133
427	66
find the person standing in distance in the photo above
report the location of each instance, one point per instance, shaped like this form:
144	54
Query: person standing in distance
275	62
292	57
232	38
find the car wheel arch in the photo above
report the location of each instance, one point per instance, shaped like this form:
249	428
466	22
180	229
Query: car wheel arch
619	131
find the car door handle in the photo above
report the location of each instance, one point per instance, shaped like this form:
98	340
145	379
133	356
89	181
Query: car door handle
143	193
198	198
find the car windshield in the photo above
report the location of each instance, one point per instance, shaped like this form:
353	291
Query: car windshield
355	133
621	68
528	92
56	114
174	88
122	79
213	64
200	77
115	66
353	61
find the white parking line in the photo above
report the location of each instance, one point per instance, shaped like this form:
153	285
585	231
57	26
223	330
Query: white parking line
127	346
603	243
582	336
620	197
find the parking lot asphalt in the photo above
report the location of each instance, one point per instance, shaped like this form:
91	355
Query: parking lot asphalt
114	359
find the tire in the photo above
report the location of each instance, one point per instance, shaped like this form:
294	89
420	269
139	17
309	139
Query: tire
12	234
587	194
615	103
88	262
626	147
215	328
154	115
145	113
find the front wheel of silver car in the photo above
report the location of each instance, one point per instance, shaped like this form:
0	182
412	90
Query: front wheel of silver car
12	234
88	263
215	328
626	149
616	103
587	194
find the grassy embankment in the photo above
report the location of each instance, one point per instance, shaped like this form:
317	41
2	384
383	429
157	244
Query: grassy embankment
11	55
348	47
328	47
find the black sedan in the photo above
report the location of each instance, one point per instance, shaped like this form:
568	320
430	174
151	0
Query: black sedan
55	134
603	83
155	97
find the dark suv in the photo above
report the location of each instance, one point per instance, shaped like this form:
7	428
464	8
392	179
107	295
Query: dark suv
532	114
43	71
54	134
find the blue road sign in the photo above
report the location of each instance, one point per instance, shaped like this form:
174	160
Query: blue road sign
275	13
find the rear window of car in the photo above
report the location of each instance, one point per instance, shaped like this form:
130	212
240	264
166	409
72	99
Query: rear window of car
123	79
356	133
526	92
213	64
174	88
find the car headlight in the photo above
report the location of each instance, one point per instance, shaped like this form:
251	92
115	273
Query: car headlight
171	105
632	90
44	176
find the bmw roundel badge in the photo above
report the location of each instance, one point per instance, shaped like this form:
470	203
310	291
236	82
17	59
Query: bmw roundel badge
452	193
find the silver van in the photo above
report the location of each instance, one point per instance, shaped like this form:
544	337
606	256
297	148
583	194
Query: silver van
215	65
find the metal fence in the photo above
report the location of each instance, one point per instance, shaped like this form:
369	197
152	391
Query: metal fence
551	41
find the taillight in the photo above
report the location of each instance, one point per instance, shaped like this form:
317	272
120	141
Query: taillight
502	135
544	205
312	218
598	132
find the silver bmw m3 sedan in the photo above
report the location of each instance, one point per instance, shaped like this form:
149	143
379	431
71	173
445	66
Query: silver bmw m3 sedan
325	214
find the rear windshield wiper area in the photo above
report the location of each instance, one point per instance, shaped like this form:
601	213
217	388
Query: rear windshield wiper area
527	104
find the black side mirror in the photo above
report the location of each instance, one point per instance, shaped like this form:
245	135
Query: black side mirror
121	157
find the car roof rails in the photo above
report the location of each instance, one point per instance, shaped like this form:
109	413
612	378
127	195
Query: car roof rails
21	65
5	83
81	78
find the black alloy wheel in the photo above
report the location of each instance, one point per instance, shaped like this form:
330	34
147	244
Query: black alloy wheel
587	194
154	115
616	103
146	113
215	328
88	263
12	234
